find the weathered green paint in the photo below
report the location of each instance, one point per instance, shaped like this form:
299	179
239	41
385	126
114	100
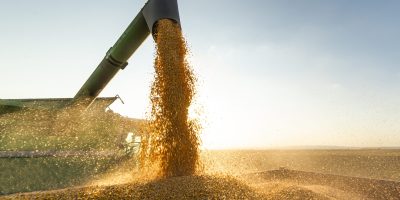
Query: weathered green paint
118	55
13	105
115	59
131	39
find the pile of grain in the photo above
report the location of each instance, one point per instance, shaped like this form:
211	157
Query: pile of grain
185	187
171	146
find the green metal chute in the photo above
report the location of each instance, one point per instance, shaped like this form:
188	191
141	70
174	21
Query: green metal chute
116	59
118	55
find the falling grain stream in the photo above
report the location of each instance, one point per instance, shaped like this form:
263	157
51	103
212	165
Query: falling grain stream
171	146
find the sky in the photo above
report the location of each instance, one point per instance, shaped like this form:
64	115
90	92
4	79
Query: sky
272	73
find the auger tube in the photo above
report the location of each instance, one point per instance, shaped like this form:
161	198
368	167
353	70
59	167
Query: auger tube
117	56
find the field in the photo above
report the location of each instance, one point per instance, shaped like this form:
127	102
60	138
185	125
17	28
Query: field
366	163
260	174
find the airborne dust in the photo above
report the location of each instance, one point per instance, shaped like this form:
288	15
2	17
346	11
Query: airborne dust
169	153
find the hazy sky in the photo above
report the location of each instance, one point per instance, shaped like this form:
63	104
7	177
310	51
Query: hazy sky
271	73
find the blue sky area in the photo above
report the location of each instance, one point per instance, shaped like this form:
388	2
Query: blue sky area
271	72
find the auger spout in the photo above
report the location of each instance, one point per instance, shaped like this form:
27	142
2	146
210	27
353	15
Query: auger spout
117	56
